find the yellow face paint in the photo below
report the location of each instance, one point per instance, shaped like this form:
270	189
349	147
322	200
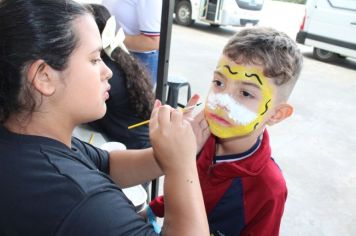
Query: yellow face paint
227	117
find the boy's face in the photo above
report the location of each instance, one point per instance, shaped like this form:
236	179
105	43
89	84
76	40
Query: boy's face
239	99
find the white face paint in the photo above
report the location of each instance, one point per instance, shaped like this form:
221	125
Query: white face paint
235	111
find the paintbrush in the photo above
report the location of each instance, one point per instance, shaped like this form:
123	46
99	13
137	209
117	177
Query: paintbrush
185	109
91	139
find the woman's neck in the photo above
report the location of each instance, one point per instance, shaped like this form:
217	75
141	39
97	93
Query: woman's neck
40	126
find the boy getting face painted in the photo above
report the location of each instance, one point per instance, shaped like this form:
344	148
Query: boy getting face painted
244	190
239	99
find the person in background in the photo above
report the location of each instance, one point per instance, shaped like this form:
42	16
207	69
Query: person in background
131	96
243	188
52	79
141	22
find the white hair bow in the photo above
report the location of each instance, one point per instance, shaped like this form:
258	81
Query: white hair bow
110	40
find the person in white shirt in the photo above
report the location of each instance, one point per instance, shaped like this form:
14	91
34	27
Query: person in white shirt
141	22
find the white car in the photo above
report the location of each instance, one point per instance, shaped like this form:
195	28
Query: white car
330	27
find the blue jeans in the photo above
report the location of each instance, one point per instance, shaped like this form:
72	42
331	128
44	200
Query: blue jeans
150	60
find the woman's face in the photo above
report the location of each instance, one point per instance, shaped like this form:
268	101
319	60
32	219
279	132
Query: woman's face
84	83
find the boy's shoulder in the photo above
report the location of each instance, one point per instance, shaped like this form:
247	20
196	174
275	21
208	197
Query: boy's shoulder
272	176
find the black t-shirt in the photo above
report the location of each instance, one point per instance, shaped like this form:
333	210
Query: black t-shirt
120	114
49	189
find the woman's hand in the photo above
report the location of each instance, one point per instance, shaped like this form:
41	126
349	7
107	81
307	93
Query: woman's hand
201	130
174	147
198	123
172	138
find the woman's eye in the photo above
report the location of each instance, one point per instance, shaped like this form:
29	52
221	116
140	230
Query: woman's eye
218	83
96	60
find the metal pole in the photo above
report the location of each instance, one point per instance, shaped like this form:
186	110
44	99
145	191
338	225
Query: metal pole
163	63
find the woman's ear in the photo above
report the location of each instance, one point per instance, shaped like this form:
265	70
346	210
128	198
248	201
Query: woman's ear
41	76
282	111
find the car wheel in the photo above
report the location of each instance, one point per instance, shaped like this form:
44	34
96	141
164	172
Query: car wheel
324	55
215	25
183	13
244	22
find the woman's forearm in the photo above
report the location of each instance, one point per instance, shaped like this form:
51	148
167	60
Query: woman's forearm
184	207
133	167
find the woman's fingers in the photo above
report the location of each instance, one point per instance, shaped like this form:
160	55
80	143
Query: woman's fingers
193	100
154	115
172	139
176	117
164	115
201	129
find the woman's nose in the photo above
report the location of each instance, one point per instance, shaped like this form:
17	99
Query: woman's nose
107	72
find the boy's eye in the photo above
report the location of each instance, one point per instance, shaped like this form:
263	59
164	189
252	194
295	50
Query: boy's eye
218	83
246	94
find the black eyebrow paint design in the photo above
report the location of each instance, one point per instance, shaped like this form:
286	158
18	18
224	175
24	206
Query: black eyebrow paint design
229	69
255	126
257	77
266	108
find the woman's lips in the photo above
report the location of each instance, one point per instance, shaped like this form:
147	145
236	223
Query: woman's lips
218	119
106	93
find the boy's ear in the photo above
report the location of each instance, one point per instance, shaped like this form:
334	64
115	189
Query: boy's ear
282	111
41	76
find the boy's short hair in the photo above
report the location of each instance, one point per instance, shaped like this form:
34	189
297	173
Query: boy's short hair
273	50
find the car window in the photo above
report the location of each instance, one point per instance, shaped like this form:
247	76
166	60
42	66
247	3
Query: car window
345	4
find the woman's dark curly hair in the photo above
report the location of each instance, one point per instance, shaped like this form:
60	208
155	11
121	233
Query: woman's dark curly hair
137	81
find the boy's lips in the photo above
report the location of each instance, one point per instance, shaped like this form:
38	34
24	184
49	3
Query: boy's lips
218	119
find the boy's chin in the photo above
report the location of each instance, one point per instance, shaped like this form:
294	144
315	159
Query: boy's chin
253	134
236	137
228	132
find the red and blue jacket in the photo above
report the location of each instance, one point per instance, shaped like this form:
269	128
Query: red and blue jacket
244	194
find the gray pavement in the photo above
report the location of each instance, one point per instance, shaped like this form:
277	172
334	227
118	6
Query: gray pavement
314	147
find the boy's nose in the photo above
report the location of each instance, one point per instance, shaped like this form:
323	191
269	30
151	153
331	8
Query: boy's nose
225	107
